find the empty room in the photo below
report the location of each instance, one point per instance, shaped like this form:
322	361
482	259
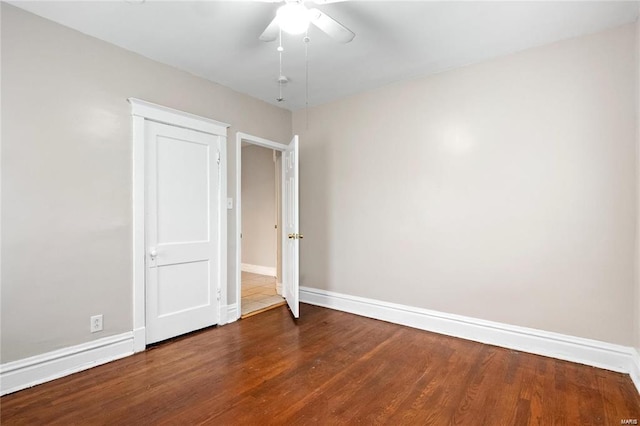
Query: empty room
320	212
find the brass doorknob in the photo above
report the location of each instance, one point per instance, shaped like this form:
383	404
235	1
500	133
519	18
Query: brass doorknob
301	236
292	236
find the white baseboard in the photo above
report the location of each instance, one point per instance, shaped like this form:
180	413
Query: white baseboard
279	288
635	370
139	339
595	353
261	270
24	373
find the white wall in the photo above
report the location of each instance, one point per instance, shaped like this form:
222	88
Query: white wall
258	207
66	176
504	190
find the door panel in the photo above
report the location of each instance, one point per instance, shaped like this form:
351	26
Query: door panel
291	228
182	204
183	190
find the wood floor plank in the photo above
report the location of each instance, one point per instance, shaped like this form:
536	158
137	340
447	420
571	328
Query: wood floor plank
328	367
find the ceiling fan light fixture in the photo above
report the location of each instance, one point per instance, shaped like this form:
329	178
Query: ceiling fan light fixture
293	18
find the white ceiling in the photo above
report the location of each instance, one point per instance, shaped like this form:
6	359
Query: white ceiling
395	40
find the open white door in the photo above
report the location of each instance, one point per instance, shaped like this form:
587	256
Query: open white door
182	230
291	228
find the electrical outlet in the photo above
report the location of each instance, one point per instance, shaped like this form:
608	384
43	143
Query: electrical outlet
96	323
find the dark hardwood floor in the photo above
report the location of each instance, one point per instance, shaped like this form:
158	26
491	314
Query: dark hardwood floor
328	367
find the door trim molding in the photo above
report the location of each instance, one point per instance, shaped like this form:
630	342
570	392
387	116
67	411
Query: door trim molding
174	117
265	143
595	353
141	111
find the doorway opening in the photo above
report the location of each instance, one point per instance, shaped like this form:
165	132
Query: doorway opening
261	266
279	282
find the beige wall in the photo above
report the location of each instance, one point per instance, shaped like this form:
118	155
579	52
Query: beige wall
258	206
503	190
66	176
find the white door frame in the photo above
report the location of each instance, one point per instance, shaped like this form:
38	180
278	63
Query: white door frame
141	111
266	143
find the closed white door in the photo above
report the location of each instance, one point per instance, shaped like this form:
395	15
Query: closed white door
291	229
182	200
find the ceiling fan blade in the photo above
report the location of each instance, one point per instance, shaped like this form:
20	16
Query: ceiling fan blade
271	32
330	26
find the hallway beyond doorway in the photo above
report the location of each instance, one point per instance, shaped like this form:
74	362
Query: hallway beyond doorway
259	293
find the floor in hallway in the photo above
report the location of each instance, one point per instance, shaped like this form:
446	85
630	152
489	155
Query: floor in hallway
258	293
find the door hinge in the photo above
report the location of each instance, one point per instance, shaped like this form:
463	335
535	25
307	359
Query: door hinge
219	294
218	157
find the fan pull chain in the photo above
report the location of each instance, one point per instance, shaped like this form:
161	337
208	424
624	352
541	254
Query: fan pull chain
280	79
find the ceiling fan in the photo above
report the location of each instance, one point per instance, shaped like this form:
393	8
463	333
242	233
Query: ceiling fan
294	18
